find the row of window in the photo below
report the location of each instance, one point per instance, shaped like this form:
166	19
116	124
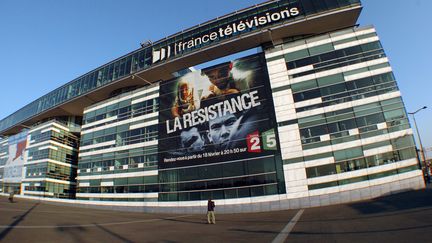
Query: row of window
214	171
147	150
61	154
120	189
331	56
363	178
341	155
118	199
350	62
216	178
343	114
147	160
361	163
335	85
345	136
51	170
353	96
312	88
123	181
59	190
123	110
253	191
128	137
312	134
119	169
225	183
357	152
62	137
146	155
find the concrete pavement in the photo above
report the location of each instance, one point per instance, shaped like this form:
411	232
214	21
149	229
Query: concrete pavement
404	217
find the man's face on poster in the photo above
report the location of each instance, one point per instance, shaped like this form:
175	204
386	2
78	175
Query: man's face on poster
221	129
192	140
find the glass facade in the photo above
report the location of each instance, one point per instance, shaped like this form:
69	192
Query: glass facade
51	166
233	179
118	152
348	109
3	159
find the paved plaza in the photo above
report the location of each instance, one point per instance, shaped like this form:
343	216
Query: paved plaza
405	217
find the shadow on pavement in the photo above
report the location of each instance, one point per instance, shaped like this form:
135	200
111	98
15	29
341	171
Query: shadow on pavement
6	231
187	221
121	238
392	205
256	231
369	216
361	232
397	202
73	232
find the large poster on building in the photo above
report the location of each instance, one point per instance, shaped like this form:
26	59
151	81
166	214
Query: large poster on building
13	170
221	113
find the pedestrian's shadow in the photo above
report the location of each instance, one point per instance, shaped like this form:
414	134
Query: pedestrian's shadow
187	221
18	219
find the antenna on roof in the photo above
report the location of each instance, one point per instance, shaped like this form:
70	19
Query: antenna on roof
146	43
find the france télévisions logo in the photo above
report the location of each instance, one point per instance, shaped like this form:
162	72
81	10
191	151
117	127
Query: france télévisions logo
229	30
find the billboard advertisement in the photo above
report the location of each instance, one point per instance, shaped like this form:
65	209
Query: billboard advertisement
13	170
221	113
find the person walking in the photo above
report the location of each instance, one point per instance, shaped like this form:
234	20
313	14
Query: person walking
211	219
11	197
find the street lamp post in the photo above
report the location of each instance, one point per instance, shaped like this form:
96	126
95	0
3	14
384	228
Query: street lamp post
420	143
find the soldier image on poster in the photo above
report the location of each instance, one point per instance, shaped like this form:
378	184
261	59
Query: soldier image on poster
185	99
222	81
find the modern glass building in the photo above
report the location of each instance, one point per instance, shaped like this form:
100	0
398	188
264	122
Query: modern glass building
314	118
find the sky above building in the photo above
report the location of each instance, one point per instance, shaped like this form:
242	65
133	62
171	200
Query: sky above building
47	43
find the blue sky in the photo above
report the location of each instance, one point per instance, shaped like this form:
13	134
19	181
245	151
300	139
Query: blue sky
46	43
